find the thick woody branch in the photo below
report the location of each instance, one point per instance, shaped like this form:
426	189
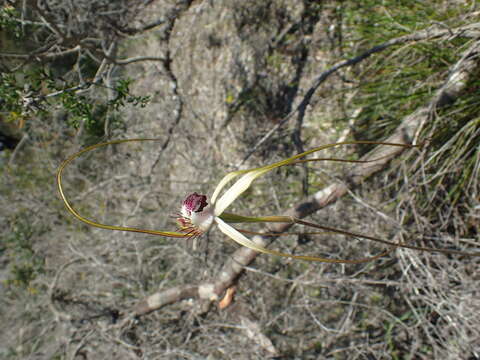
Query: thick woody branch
410	126
163	298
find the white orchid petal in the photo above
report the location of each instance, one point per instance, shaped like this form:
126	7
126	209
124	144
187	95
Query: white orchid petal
246	180
243	240
249	175
222	184
239	237
237	189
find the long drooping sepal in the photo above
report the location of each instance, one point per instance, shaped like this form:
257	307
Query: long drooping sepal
233	218
244	241
386	242
249	176
93	223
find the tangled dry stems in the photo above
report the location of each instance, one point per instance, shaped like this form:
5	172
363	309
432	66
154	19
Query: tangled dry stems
411	304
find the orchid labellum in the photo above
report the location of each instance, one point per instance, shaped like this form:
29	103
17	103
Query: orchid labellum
197	215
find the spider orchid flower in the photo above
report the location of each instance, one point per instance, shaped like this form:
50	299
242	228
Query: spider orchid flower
197	216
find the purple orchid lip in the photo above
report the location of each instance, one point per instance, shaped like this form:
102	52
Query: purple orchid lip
195	203
194	220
